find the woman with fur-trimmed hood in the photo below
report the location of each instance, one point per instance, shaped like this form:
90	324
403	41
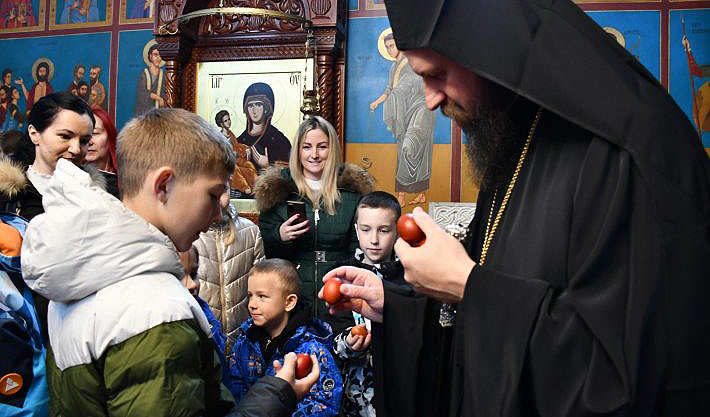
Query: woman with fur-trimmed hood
330	190
17	194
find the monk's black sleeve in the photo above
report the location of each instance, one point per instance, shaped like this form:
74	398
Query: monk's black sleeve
269	396
407	354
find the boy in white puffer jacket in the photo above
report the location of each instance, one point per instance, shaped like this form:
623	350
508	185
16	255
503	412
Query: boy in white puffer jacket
126	337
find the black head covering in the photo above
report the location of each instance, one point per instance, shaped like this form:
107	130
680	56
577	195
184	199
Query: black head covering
551	52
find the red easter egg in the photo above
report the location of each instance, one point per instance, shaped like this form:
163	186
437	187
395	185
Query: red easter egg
410	231
331	291
360	330
303	365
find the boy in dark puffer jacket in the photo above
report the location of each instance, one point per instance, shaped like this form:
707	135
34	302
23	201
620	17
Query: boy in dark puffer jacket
376	228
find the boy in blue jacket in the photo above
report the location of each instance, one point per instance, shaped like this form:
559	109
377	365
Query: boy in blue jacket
278	325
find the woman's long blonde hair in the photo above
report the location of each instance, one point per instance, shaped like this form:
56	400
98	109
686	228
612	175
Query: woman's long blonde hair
328	194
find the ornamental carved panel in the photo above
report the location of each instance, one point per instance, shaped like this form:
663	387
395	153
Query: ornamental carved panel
320	7
226	24
445	214
169	10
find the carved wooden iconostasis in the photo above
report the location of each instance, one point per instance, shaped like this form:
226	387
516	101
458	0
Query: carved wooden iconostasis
215	63
237	40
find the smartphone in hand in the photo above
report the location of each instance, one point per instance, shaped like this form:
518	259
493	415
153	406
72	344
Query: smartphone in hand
296	207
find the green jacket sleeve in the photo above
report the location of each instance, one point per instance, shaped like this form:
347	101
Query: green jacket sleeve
168	370
269	223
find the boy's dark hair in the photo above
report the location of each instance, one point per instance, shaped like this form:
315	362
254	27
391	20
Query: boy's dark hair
379	199
284	269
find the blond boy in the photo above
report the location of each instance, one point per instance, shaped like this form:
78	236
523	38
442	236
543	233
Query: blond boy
279	324
126	337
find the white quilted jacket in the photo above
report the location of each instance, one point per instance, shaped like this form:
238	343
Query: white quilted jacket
223	273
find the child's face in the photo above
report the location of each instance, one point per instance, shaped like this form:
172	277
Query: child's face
192	207
376	232
189	263
267	301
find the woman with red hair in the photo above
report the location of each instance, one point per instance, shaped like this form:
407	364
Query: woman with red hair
102	150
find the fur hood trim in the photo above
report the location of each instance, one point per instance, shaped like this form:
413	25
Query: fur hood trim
13	179
275	184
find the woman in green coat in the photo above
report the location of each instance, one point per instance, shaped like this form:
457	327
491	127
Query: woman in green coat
330	190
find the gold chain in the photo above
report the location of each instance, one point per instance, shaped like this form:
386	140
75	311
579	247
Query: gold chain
491	230
488	226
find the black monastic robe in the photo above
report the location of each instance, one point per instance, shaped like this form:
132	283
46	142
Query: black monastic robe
595	295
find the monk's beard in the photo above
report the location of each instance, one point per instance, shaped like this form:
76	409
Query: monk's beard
494	142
